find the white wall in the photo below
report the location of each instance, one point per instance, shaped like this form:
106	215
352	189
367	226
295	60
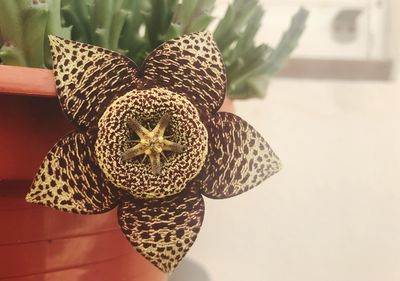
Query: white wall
333	212
318	40
393	32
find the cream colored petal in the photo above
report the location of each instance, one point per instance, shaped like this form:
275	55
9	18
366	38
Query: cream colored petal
88	78
190	65
238	159
69	179
162	230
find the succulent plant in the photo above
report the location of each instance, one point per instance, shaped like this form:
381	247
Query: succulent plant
24	25
135	27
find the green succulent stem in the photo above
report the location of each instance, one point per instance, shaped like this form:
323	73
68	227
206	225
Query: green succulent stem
131	40
54	27
158	20
102	18
35	17
136	27
253	67
12	56
287	44
25	25
11	22
75	13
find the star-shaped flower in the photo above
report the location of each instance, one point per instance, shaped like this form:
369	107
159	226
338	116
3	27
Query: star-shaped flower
149	141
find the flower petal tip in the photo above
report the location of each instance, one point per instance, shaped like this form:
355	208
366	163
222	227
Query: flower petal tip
52	37
29	198
163	230
32	199
191	65
206	34
239	158
278	165
88	78
69	180
54	41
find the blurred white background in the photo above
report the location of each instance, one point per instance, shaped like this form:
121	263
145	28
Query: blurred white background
353	29
333	212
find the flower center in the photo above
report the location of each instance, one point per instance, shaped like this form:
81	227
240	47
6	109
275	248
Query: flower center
152	143
134	133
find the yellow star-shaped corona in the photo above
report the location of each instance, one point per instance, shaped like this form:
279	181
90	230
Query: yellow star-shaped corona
152	143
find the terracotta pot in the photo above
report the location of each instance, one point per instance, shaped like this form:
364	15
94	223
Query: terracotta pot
39	243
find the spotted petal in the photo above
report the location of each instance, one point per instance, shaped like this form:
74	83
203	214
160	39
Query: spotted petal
190	65
88	78
162	230
238	159
69	180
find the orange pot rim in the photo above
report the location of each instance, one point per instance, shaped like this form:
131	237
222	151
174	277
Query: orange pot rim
27	81
31	81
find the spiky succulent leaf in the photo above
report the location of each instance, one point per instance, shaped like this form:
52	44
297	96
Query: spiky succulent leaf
131	38
54	27
76	13
193	15
288	43
158	20
253	67
25	25
136	27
